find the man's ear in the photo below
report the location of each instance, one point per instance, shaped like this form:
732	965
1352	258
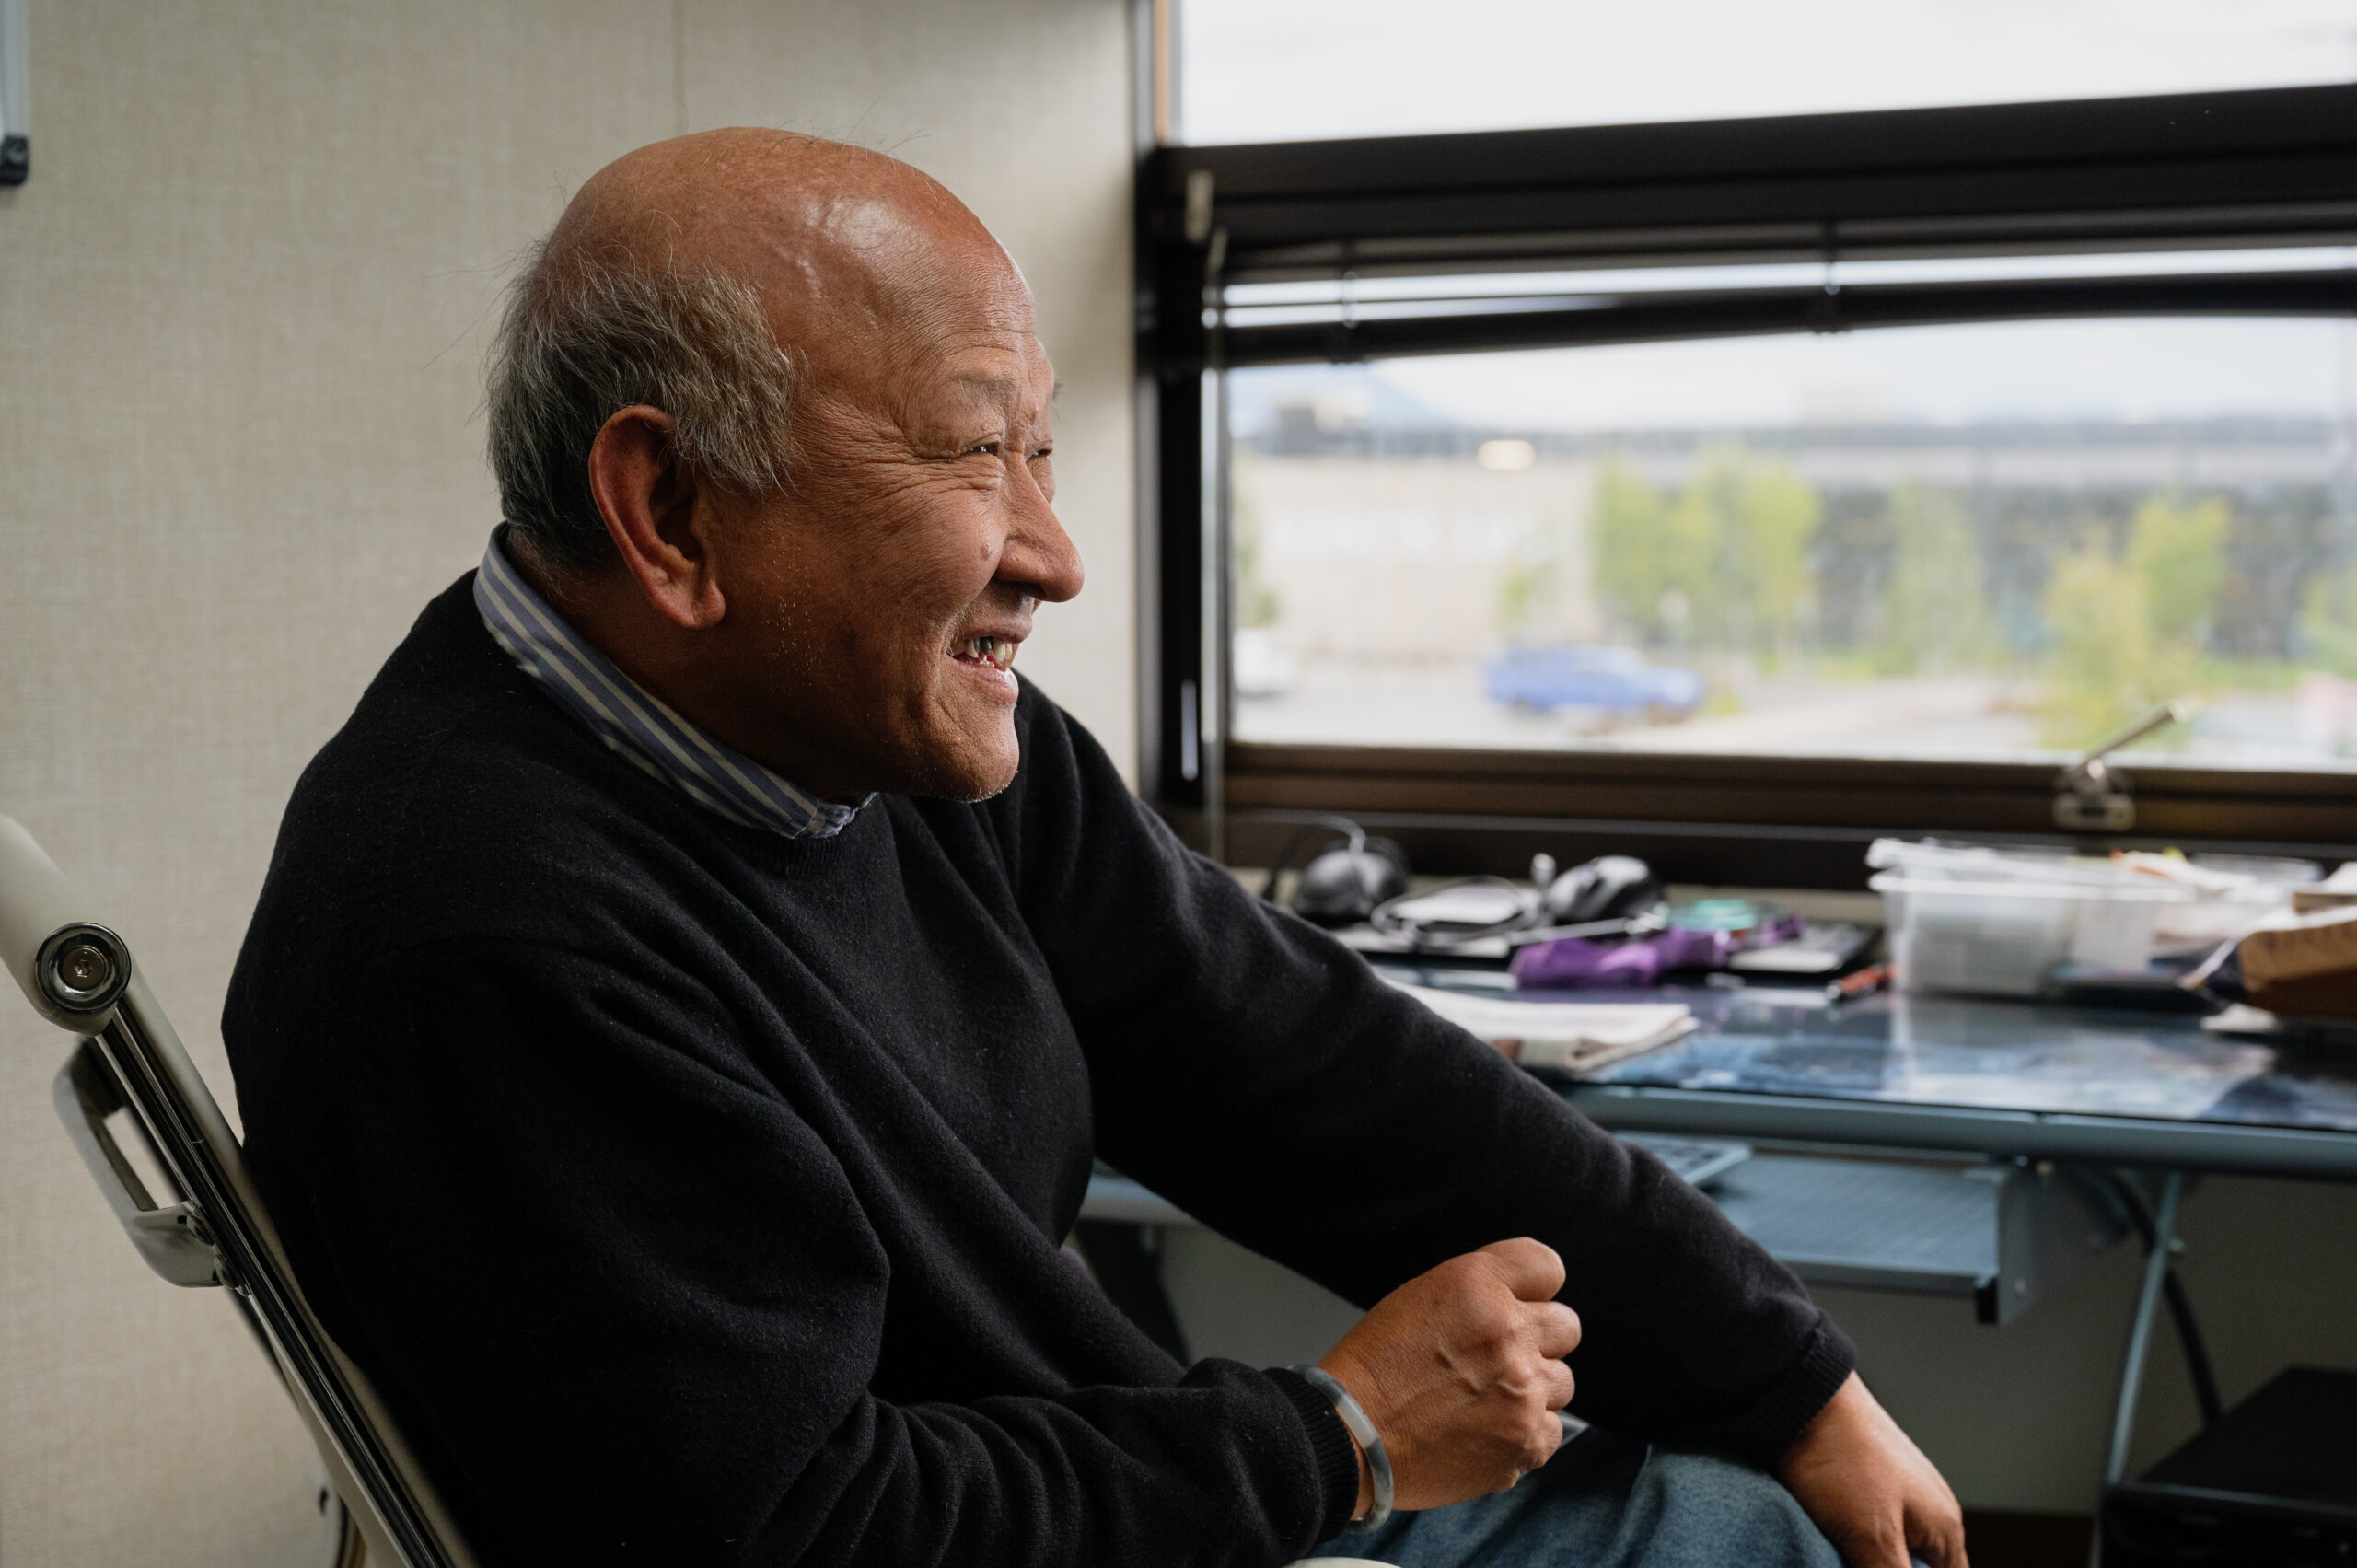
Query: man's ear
657	516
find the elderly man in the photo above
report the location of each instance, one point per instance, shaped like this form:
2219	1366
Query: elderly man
688	994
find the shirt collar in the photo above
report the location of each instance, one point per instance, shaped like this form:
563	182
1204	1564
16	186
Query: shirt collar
633	721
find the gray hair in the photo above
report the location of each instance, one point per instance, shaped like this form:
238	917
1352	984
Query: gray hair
581	341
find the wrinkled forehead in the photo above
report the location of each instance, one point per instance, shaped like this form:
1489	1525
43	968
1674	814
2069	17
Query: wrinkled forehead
873	292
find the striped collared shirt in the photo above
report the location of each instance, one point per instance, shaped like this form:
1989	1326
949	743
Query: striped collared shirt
632	720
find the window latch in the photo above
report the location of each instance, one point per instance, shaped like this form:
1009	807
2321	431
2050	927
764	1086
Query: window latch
2091	795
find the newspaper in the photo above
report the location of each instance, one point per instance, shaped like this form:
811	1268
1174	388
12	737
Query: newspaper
1569	1036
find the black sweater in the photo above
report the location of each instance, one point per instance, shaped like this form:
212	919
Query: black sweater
696	1193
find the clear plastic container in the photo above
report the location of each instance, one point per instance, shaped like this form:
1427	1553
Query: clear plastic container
2001	922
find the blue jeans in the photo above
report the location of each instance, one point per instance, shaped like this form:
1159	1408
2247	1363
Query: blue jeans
1607	1502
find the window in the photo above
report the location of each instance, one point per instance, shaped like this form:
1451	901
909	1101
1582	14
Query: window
1248	71
1997	540
1746	488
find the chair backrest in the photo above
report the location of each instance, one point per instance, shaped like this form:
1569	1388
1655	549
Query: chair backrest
79	974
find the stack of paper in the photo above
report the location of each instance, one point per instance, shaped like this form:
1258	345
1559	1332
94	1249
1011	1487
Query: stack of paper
1571	1037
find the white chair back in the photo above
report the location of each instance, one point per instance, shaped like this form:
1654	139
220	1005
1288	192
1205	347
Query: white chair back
215	1231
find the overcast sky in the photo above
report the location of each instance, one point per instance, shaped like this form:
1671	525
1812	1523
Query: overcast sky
1255	70
1275	70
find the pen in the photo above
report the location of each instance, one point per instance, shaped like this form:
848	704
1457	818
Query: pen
1859	982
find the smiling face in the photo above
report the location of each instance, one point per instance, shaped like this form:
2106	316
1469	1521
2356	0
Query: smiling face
853	630
875	606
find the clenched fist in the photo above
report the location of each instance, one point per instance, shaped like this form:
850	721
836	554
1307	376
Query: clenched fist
1461	1371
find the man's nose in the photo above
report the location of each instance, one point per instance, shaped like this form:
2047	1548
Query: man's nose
1039	554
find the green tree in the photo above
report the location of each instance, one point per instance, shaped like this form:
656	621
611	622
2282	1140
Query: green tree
2109	661
2103	643
2328	621
1725	567
1636	560
1775	519
2178	552
1934	608
2130	628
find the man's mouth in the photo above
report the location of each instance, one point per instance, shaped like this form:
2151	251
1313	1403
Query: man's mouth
995	652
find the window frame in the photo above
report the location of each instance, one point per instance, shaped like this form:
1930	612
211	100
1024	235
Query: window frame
2242	170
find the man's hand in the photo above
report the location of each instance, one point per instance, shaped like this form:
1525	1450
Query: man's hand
1870	1489
1461	1371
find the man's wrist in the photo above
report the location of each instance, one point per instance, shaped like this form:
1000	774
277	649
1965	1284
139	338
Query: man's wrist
1373	1507
1775	1424
1333	1452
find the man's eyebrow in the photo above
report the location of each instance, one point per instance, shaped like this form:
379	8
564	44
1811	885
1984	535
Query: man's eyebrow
991	386
994	388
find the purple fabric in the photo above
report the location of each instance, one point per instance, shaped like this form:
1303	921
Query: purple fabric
1574	963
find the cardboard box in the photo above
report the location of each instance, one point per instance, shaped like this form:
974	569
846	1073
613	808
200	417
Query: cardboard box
2305	966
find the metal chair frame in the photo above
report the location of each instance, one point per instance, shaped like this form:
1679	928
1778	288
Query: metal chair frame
213	1228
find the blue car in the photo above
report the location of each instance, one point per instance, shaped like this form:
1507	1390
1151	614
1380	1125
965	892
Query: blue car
1545	676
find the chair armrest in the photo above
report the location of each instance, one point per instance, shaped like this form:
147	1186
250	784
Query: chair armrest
71	967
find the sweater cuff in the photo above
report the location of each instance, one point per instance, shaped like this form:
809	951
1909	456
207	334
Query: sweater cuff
1329	1441
1772	1426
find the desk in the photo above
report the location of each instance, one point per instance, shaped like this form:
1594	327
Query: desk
2008	1079
2021	1083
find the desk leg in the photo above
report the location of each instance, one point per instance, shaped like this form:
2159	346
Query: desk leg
2139	1329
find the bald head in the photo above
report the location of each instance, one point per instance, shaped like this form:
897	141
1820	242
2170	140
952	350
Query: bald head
747	200
722	277
843	246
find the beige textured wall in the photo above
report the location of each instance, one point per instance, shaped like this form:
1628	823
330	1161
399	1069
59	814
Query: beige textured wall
241	305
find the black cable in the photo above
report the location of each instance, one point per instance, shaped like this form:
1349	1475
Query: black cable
2188	1331
1342	826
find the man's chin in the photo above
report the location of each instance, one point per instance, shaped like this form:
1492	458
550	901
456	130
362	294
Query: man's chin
965	767
970	786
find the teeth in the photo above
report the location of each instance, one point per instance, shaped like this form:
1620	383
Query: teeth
990	650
